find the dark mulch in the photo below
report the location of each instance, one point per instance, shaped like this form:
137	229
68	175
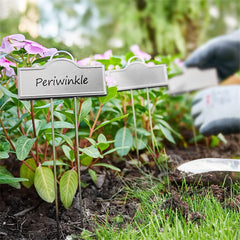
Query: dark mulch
23	215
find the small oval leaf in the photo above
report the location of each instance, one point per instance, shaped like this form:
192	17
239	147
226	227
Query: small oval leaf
26	172
7	178
93	175
91	151
68	187
44	183
23	147
124	140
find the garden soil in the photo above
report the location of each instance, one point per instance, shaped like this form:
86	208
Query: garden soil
23	215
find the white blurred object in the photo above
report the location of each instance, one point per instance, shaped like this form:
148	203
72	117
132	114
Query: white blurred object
205	165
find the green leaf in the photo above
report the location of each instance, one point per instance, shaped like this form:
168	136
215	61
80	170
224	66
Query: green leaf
101	139
48	105
26	172
165	124
91	151
19	122
4	155
6	103
66	138
141	142
68	187
69	153
5	146
214	141
50	163
111	93
107	166
26	104
44	183
87	122
59	124
92	141
167	134
124	140
23	147
7	178
86	108
114	150
102	142
110	121
8	93
85	160
93	175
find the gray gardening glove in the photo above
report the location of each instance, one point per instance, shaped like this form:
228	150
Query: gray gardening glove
217	110
222	53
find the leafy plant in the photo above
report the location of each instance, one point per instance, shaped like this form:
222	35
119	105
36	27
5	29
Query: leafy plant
26	125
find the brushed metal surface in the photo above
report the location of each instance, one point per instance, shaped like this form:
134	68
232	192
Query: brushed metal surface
138	75
61	78
205	165
192	79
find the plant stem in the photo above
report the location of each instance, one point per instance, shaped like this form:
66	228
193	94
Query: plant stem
32	59
28	166
6	134
81	100
34	131
33	155
95	122
45	150
22	129
124	106
48	118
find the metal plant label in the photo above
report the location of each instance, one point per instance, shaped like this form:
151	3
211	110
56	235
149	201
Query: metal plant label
138	75
60	78
192	79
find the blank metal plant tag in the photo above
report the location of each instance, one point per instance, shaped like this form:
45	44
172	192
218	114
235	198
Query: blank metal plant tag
60	78
138	75
192	79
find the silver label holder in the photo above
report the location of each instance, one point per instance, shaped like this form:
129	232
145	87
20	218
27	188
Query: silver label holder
60	78
138	75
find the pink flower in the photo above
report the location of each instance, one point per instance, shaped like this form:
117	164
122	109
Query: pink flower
179	62
111	82
84	61
32	47
137	52
106	55
49	52
94	63
150	64
88	62
12	42
7	65
111	67
18	41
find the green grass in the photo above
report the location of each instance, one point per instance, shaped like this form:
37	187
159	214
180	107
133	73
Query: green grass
152	221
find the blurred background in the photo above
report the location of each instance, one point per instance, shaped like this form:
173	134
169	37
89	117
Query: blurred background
87	27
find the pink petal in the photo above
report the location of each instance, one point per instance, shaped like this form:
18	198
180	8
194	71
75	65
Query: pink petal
150	64
84	61
12	42
137	52
111	82
49	52
106	55
34	48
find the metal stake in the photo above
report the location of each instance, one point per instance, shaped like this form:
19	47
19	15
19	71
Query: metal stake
55	170
78	162
150	120
135	125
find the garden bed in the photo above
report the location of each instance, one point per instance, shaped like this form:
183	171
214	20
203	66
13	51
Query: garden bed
23	215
